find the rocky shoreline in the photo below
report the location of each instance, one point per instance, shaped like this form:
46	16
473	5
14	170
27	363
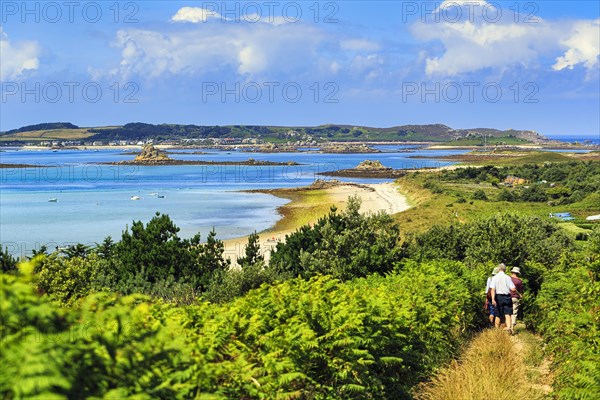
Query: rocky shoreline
152	157
157	163
3	165
367	169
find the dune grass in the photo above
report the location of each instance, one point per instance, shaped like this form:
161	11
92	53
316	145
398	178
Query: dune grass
305	207
494	366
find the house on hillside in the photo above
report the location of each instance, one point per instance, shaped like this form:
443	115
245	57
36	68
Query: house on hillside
512	180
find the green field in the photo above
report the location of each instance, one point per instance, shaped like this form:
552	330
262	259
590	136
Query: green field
53	134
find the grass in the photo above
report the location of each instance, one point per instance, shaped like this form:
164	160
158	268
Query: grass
305	207
429	208
494	366
53	134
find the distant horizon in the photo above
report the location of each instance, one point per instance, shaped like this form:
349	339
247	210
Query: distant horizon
366	63
590	135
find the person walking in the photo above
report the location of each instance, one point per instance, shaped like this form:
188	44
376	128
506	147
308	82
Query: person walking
502	286
516	295
489	307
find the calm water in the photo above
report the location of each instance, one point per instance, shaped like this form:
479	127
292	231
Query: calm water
593	139
94	200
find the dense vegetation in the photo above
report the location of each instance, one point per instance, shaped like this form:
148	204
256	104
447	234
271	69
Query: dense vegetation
433	132
43	127
344	309
555	183
362	339
567	313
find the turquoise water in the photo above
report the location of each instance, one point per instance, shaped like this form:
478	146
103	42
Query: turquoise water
94	201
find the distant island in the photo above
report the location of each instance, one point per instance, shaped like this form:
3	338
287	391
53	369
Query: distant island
368	169
151	156
57	134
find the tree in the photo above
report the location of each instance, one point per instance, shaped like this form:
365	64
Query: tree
78	250
155	252
8	262
345	245
106	249
252	252
211	263
42	251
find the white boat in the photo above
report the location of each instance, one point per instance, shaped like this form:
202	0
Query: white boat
135	197
53	200
153	194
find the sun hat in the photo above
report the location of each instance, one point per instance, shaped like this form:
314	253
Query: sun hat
495	271
516	270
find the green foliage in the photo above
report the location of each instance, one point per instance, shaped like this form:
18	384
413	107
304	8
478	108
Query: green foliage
369	338
510	238
559	182
252	252
479	195
154	253
345	245
568	316
8	262
68	279
506	195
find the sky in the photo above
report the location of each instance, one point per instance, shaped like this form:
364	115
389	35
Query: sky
467	64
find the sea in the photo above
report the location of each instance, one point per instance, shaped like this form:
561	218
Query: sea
74	197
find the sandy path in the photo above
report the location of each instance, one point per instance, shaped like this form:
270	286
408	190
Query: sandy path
383	197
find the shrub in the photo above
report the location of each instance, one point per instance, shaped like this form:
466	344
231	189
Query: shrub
479	194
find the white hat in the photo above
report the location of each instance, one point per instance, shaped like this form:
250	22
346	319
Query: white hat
516	270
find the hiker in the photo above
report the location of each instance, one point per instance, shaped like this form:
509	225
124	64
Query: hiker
517	295
502	286
489	307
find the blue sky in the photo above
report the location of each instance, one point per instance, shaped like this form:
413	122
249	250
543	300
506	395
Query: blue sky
467	64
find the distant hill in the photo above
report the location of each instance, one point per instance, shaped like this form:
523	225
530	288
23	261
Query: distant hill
43	127
421	133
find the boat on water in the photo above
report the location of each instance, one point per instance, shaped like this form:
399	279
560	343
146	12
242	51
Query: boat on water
53	200
153	194
161	196
135	197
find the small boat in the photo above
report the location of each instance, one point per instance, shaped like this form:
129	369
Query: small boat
153	194
161	196
135	197
53	200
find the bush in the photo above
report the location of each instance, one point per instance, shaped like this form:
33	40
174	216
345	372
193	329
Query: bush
479	194
567	316
370	338
345	245
506	195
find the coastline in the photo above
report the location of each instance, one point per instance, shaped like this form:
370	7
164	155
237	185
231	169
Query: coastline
308	204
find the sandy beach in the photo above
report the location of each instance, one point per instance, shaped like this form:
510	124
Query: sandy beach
374	197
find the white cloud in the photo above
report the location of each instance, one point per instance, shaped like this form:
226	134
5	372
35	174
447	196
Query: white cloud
583	47
474	42
194	15
359	45
17	57
248	49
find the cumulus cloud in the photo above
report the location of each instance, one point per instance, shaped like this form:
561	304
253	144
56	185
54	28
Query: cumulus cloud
247	50
583	47
194	15
475	43
265	50
17	57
